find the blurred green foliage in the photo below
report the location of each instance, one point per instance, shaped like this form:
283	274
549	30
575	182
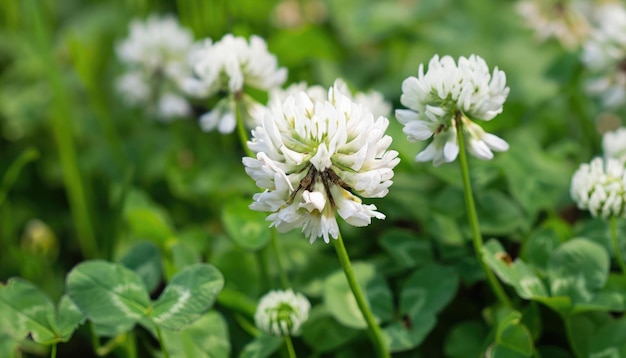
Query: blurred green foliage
111	183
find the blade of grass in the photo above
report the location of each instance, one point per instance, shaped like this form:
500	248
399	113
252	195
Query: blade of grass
61	117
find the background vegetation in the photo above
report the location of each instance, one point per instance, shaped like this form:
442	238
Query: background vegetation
85	177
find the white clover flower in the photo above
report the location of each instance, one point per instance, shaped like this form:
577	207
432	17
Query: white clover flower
563	20
604	54
445	94
282	313
314	157
228	65
614	144
155	54
372	100
600	187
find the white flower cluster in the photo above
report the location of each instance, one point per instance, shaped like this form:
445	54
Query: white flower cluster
314	157
155	54
282	313
605	54
228	65
448	93
374	101
563	20
600	187
614	144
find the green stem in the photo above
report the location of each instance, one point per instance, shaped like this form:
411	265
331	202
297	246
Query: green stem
130	346
237	302
473	217
62	130
53	351
284	281
290	350
161	341
241	127
375	331
247	326
616	248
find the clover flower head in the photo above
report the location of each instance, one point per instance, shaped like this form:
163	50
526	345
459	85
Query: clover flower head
614	144
282	313
562	20
227	65
448	93
155	55
372	100
315	158
604	54
599	187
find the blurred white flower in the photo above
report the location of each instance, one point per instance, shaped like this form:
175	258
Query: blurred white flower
228	65
600	187
604	54
614	144
282	313
445	94
563	20
155	55
314	158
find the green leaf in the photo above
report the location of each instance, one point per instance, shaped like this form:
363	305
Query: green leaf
109	294
205	338
145	219
426	292
191	292
464	340
406	249
551	174
323	333
517	274
246	227
68	318
609	341
582	327
241	267
261	347
577	269
498	213
341	302
145	259
27	310
514	336
8	346
539	246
